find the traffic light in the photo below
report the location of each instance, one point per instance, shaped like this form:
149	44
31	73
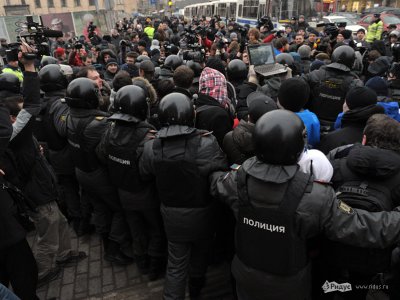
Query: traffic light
169	3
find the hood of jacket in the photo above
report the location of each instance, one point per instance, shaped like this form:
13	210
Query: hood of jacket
373	162
242	137
174	130
204	99
359	116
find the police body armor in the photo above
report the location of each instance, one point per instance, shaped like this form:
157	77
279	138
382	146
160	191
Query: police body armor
278	249
122	161
45	129
84	157
178	179
329	96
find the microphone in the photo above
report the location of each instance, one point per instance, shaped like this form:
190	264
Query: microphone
52	33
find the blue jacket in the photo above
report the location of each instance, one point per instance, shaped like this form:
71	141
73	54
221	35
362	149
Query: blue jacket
311	122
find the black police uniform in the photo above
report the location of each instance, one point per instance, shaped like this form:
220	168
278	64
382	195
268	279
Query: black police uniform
121	148
85	126
329	86
278	209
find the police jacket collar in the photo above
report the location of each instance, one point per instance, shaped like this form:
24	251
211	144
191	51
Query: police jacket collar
80	112
124	117
338	66
175	130
59	93
269	173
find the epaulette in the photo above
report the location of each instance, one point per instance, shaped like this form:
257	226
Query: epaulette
99	118
205	133
63	100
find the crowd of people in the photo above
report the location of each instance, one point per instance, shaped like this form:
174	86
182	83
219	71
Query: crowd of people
163	139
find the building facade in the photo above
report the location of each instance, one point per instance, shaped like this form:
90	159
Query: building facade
39	7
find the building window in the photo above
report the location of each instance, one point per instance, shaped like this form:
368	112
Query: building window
50	3
23	2
8	2
38	4
77	2
63	3
92	2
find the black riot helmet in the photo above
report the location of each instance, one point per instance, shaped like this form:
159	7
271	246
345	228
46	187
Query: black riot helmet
176	109
82	93
131	100
173	61
237	70
344	55
141	58
279	138
195	66
396	52
52	78
48	60
9	84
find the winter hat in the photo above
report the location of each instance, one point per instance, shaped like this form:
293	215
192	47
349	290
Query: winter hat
147	66
312	30
378	84
315	162
111	61
322	56
233	35
59	52
259	104
304	51
155	44
293	94
316	64
346	34
360	96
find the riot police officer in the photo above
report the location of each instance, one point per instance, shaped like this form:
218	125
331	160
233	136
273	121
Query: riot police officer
51	131
120	148
171	63
278	208
85	126
330	84
180	158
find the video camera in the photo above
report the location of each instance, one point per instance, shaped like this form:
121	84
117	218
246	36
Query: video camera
35	34
330	29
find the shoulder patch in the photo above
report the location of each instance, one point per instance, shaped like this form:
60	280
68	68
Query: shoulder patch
99	118
63	100
345	208
63	118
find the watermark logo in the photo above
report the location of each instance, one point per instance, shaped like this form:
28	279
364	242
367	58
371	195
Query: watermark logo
336	287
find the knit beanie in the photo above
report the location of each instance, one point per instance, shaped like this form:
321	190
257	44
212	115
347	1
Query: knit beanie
316	64
360	96
379	85
111	61
293	94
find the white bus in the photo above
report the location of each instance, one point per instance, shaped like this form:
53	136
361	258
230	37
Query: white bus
243	11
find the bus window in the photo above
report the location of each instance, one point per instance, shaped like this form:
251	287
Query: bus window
222	9
232	9
240	14
250	8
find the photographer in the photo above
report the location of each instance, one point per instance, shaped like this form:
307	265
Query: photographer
76	55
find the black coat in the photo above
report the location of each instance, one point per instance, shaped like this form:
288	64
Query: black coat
11	231
238	144
353	123
35	175
242	91
213	118
186	223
